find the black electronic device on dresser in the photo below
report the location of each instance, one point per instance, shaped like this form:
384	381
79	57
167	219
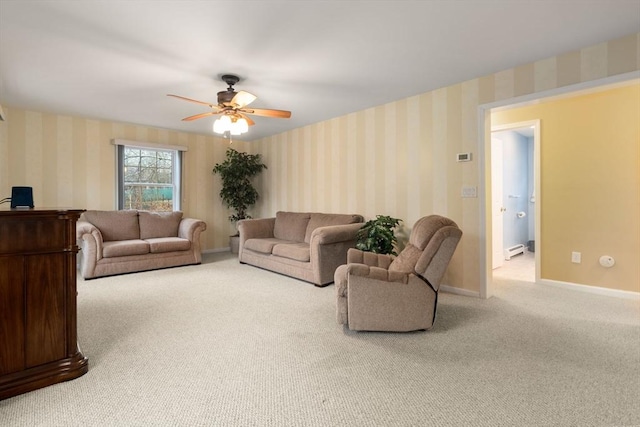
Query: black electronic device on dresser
21	197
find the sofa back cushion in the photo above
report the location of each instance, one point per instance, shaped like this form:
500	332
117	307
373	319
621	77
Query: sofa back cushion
291	226
115	225
159	224
324	220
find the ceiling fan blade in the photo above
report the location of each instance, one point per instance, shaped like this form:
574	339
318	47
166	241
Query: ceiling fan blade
242	99
199	116
281	114
194	100
247	118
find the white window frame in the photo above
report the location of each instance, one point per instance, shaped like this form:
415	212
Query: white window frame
177	151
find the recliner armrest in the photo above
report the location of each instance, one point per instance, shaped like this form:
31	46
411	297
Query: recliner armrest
377	273
369	258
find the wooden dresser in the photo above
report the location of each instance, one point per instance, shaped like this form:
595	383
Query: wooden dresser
38	334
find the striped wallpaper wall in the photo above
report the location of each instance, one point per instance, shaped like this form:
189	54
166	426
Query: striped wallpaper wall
70	161
396	159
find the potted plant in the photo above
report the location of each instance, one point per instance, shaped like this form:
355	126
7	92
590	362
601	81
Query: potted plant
237	191
377	235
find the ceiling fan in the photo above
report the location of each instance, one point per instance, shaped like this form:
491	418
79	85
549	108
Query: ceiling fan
232	106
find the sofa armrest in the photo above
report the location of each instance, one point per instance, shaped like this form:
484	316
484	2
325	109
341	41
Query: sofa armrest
334	234
90	239
90	242
256	228
328	249
369	258
190	228
84	227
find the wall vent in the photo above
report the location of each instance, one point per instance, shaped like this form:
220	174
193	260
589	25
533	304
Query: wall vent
512	251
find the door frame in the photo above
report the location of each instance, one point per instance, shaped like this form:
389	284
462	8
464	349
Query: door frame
484	156
535	124
497	212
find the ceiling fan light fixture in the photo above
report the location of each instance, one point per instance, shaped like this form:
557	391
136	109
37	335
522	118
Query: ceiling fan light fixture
231	106
222	125
243	98
241	125
233	125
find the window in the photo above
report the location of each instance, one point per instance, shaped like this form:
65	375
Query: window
148	178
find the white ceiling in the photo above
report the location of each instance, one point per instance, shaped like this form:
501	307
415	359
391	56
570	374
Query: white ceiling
117	59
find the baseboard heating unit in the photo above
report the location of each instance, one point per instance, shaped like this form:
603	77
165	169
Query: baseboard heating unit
512	251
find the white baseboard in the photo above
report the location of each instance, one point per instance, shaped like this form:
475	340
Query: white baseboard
458	291
215	251
592	289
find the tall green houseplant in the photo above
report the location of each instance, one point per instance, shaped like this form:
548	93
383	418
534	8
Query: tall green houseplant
237	191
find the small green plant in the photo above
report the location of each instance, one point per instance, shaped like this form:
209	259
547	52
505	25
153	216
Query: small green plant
236	172
378	236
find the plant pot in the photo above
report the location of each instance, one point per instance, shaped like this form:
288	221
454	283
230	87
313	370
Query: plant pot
234	244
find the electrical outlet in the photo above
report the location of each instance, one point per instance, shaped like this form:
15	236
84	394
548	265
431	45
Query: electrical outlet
576	257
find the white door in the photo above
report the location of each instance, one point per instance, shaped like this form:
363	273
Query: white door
497	207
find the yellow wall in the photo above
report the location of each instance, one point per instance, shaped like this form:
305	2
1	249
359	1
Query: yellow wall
70	161
397	159
590	185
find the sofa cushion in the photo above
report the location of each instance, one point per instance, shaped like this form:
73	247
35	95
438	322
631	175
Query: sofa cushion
124	248
263	245
115	225
296	251
168	244
159	224
324	220
291	226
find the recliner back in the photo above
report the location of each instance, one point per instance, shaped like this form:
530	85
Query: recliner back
434	261
431	245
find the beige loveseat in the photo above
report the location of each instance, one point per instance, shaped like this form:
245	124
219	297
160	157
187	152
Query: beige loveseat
116	242
307	246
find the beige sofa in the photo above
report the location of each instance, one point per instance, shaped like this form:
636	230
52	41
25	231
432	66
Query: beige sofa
307	246
116	242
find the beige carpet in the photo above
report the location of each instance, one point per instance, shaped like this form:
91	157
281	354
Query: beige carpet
223	344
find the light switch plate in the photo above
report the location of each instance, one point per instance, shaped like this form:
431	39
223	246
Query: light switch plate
469	192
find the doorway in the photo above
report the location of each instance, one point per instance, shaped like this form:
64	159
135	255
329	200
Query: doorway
515	227
484	148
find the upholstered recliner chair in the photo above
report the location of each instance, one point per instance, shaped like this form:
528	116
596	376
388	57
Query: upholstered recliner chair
381	293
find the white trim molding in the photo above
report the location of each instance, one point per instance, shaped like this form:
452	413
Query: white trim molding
592	289
217	250
459	291
153	145
483	147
